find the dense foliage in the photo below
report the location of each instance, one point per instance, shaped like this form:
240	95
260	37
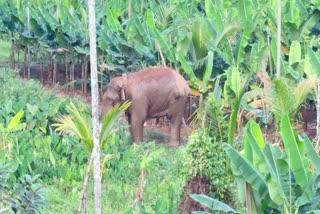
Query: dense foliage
33	147
232	43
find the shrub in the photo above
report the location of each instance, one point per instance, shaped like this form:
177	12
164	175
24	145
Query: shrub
205	157
25	196
205	170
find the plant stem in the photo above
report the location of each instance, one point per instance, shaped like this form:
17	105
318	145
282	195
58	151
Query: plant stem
85	186
248	198
233	121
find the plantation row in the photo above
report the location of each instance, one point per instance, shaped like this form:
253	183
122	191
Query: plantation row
197	37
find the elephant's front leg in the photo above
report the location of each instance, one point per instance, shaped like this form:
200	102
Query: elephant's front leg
137	127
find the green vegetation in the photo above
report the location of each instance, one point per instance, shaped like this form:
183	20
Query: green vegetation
31	146
280	180
230	45
5	51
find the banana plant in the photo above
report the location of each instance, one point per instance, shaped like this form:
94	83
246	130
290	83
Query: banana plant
284	180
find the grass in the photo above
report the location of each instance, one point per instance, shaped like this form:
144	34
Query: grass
162	191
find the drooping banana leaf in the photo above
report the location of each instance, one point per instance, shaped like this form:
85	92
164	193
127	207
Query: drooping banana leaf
249	172
165	45
211	203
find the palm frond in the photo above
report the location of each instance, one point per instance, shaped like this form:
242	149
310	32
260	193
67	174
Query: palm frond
283	100
303	88
110	119
77	123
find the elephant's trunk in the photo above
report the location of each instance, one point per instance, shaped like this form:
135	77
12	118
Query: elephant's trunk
106	108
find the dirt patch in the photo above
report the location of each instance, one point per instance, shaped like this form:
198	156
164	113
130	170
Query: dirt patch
196	185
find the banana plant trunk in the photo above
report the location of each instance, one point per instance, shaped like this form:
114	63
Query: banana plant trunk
49	79
12	54
54	77
66	67
72	79
25	64
84	73
41	72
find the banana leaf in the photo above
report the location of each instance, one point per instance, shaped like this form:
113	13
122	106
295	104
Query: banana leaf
314	59
295	150
188	70
249	172
308	191
295	53
312	153
165	45
207	73
279	183
267	160
211	203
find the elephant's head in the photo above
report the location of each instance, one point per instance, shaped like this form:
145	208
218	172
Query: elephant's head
114	94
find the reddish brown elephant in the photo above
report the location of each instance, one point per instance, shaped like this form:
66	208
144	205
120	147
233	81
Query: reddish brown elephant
154	92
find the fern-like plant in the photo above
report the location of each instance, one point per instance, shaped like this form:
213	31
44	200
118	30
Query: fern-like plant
286	99
79	123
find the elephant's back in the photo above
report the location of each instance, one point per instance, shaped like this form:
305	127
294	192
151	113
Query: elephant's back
167	80
152	73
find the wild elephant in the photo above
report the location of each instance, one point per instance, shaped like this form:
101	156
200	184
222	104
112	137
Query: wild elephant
153	92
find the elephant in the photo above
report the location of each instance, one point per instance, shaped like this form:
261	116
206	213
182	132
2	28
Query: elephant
154	92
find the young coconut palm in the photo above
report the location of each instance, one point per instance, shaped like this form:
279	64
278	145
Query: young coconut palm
79	123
